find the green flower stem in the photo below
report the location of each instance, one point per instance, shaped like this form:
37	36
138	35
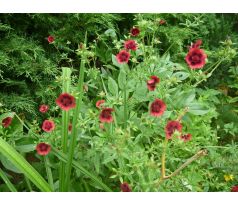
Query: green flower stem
209	74
65	123
125	107
49	173
75	118
163	159
7	181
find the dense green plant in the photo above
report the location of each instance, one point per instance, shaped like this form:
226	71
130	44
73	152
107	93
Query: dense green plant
98	156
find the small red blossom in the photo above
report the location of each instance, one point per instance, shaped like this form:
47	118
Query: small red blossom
43	148
157	108
186	137
151	84
48	126
130	45
106	115
99	103
66	101
51	39
43	108
171	127
196	57
135	31
70	127
197	44
6	122
123	56
162	21
234	188
125	187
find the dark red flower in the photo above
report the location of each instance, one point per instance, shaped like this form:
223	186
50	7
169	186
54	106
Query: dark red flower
186	137
43	108
50	39
157	108
196	57
234	188
162	21
99	103
66	101
123	56
48	126
130	45
106	115
135	31
6	121
43	148
125	187
151	84
70	127
171	127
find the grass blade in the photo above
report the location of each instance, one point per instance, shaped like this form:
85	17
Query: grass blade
7	181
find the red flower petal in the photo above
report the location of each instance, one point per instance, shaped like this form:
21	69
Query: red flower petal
130	45
43	148
196	57
157	108
135	31
106	115
151	84
6	122
43	108
125	187
186	137
123	56
99	103
48	126
171	127
234	188
66	101
50	39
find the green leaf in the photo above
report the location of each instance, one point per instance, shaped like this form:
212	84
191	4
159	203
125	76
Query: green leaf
140	93
9	165
197	108
112	86
7	181
20	163
181	75
26	148
122	79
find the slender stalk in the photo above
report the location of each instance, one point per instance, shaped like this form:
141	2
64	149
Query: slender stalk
7	181
49	173
163	159
125	108
197	83
189	161
75	118
65	122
